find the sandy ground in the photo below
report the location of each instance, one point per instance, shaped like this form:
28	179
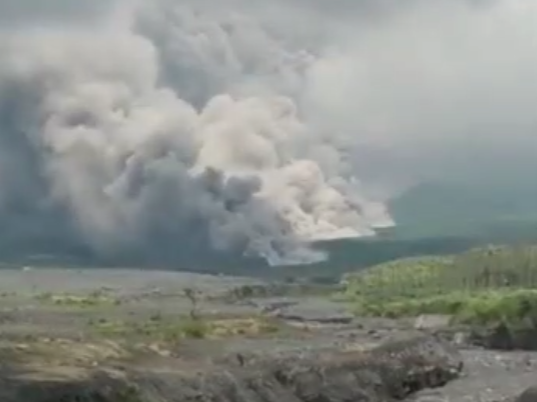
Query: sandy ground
58	311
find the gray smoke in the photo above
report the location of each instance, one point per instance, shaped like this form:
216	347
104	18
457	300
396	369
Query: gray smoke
157	124
438	90
250	126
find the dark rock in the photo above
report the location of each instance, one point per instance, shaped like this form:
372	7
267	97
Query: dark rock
502	336
332	319
499	337
529	395
98	387
392	371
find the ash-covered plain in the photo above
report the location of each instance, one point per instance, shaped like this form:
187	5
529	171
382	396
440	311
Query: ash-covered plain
61	327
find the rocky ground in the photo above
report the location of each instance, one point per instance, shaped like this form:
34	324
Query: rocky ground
60	326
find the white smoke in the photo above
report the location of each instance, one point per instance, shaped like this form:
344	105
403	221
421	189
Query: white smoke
155	121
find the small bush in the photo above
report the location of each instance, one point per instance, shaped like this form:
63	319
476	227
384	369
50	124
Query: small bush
195	329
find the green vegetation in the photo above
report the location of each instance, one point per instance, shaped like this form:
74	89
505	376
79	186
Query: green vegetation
409	277
480	286
170	330
155	329
94	299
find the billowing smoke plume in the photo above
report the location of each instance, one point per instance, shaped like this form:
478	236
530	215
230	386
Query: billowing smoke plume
248	126
158	124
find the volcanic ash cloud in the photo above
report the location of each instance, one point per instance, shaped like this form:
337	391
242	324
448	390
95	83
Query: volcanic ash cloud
96	132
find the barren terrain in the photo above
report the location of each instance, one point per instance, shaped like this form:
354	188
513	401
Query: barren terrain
62	326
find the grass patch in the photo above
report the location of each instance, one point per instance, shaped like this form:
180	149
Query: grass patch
94	299
474	271
242	326
170	332
471	308
55	352
174	330
409	277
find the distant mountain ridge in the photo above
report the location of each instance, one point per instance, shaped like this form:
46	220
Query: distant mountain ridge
440	209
